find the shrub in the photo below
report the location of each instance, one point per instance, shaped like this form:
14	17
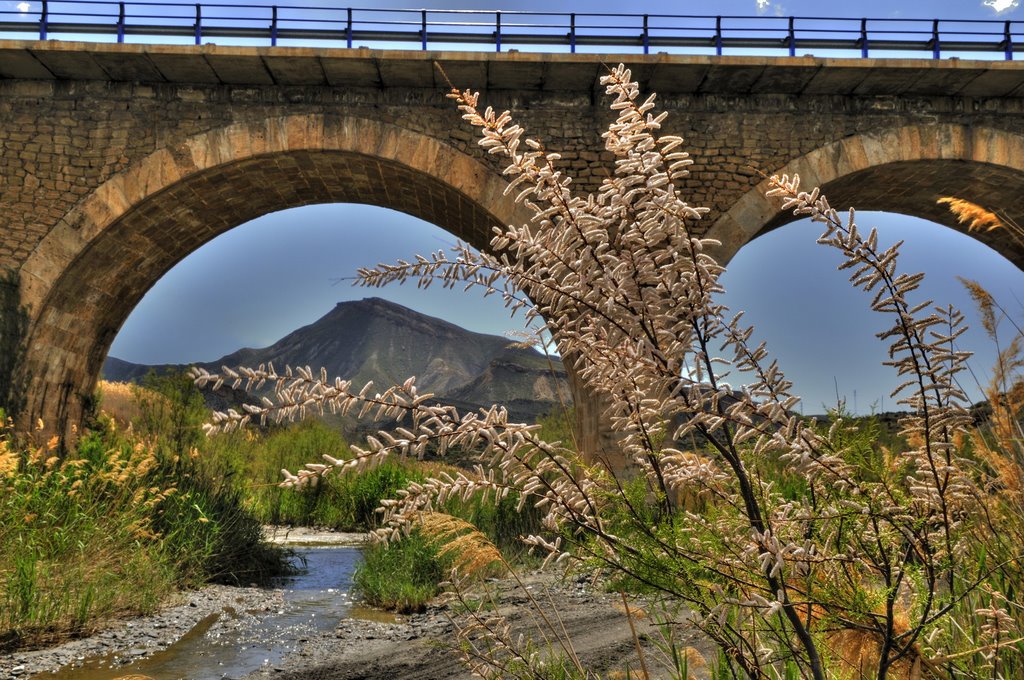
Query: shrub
861	565
171	409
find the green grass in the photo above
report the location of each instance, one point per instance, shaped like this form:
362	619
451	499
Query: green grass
110	531
253	463
402	575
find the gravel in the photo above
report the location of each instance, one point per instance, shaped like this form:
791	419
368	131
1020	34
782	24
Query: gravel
129	640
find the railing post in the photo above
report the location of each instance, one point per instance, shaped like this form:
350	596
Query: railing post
647	37
864	38
792	39
1007	41
497	30
273	26
348	29
44	17
718	36
572	33
423	30
120	22
936	47
199	24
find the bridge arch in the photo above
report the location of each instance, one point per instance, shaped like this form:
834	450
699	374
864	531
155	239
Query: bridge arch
902	170
91	270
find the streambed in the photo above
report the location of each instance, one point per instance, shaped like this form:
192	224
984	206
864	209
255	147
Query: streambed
218	632
303	631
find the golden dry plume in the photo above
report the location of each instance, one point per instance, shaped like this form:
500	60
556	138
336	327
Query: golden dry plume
985	302
972	215
472	553
120	400
8	460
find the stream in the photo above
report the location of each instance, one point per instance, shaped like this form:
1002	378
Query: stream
233	643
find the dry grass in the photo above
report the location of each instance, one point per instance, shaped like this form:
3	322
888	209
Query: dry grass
998	442
978	218
436	468
858	654
8	460
972	215
119	400
471	552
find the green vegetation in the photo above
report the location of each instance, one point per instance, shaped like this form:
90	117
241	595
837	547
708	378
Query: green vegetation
402	575
343	501
247	466
111	530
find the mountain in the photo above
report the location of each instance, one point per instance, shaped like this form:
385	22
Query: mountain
119	370
373	339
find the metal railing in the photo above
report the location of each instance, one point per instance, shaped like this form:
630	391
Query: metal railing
450	29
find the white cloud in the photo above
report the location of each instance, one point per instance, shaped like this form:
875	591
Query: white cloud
23	7
766	6
998	5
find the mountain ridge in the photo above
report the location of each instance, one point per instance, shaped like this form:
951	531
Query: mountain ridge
374	339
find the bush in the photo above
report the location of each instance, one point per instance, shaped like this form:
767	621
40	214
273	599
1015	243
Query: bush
171	410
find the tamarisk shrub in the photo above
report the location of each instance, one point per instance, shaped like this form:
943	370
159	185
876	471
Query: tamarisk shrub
859	568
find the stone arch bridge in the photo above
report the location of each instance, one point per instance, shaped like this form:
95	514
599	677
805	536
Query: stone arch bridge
116	161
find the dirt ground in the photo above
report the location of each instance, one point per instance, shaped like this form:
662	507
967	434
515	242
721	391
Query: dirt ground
423	646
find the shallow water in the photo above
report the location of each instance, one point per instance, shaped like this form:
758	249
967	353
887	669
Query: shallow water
232	643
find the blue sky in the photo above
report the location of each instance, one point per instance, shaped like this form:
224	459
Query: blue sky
819	328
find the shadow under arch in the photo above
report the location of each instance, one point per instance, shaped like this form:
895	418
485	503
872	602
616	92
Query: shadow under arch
901	170
91	270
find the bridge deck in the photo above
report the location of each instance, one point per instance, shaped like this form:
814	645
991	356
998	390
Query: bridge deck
666	74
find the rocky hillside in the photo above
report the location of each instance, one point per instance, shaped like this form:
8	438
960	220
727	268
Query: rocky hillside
373	339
